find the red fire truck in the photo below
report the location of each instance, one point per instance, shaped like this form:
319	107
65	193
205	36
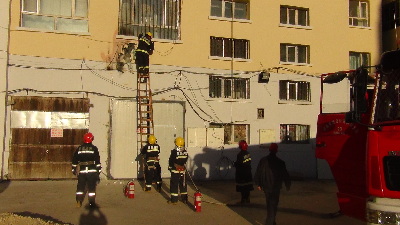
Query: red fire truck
362	145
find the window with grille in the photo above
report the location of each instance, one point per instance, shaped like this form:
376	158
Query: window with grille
358	59
295	133
233	133
292	53
358	13
294	90
228	87
294	16
229	47
160	17
55	15
225	8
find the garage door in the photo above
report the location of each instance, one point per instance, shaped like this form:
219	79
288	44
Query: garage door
44	135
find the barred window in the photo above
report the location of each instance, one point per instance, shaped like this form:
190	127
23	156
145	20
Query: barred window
57	15
224	47
160	17
294	90
233	133
295	133
294	16
228	87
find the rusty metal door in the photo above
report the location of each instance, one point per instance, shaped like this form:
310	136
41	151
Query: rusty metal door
44	135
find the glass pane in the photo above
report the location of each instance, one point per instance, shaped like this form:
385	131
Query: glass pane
283	15
302	17
353	61
228	9
227	88
353	8
283	53
81	8
292	16
40	22
30	6
56	7
240	10
291	51
302	54
71	25
228	44
363	10
216	8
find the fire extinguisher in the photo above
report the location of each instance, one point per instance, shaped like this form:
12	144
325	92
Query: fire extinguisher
197	201
130	189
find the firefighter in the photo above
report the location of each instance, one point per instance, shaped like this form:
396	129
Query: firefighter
243	176
177	166
151	152
144	49
86	165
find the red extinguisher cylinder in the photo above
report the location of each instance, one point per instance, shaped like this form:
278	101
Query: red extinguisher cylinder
130	190
197	201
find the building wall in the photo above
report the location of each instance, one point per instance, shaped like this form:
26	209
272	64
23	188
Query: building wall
44	63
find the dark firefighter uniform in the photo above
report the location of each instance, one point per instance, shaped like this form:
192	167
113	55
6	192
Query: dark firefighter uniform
151	153
144	49
86	163
243	176
177	166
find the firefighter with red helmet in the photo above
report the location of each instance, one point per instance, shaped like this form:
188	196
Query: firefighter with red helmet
243	176
151	152
86	165
144	49
177	166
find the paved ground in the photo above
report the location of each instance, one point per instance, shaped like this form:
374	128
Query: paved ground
309	202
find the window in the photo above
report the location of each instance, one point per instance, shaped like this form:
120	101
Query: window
260	113
358	13
295	133
58	15
228	87
294	16
291	53
391	15
294	90
161	17
358	59
223	47
233	133
225	8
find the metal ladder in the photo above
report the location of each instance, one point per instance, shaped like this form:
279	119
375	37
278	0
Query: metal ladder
145	125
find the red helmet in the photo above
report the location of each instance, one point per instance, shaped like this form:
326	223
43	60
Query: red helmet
243	145
88	138
273	147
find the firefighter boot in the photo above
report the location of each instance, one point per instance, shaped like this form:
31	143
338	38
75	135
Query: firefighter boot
159	184
185	199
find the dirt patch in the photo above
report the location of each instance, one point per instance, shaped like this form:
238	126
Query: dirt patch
15	219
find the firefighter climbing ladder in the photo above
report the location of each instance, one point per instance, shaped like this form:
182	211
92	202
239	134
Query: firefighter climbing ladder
145	125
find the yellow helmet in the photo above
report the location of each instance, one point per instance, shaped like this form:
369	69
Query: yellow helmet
179	141
151	139
149	34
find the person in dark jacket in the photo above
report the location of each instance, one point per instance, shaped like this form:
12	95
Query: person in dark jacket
271	173
151	153
86	164
177	167
144	49
243	176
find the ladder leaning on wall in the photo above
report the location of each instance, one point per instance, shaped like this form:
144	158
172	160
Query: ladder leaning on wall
145	125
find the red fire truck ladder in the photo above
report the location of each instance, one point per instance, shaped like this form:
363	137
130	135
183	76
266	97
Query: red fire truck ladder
145	125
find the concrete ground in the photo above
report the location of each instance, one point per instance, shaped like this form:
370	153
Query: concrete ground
308	202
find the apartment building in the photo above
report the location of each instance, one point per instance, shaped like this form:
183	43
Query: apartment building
222	71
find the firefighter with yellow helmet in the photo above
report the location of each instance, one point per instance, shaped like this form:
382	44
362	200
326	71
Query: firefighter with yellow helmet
151	152
144	49
177	166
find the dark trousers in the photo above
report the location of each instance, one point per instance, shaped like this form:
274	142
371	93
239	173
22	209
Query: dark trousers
150	175
89	181
142	62
272	199
178	183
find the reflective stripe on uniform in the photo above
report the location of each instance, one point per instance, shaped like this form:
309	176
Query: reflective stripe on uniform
91	194
79	193
85	152
174	194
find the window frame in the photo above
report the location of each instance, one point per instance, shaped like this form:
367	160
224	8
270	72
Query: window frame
222	12
233	133
289	49
229	87
299	91
359	19
164	18
55	21
296	11
294	133
229	48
